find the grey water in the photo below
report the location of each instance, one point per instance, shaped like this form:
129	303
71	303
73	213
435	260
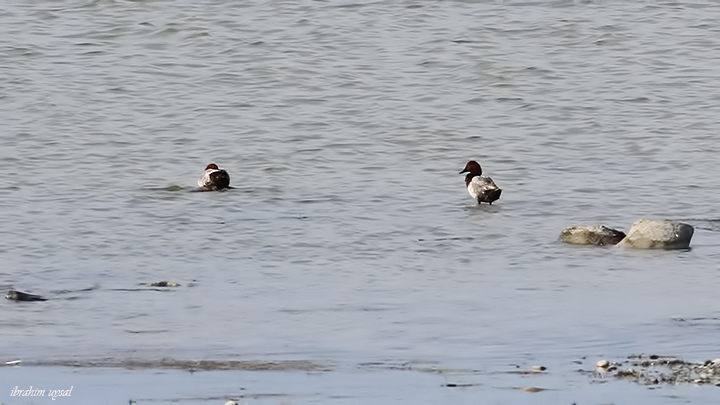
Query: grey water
349	238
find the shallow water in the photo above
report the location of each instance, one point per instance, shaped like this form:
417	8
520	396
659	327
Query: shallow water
349	238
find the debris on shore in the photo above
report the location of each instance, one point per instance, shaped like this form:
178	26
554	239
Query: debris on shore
162	284
655	369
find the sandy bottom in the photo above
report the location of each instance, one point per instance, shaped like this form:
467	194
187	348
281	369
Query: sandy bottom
639	379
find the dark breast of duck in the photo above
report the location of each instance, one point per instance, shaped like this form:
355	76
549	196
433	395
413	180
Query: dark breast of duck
220	179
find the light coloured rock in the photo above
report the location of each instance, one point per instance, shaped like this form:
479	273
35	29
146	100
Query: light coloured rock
658	234
591	235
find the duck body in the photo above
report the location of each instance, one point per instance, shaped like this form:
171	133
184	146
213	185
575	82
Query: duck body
214	179
480	188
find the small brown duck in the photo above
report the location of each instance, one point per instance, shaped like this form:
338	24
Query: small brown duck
214	179
480	187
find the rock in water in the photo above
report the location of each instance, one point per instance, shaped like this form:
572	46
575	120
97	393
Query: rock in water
591	235
658	234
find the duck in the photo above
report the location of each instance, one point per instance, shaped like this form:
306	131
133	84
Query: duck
214	178
481	188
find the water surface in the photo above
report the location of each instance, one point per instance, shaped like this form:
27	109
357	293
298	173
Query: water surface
349	238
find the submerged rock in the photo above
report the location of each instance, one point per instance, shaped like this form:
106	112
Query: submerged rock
591	235
188	365
658	234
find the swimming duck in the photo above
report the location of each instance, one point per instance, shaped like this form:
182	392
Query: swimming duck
214	178
480	187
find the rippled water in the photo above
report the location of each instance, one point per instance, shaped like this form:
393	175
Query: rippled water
349	238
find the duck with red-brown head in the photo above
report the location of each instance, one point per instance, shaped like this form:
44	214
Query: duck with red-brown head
214	178
481	188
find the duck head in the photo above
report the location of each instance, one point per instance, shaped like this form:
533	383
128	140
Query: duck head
473	168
